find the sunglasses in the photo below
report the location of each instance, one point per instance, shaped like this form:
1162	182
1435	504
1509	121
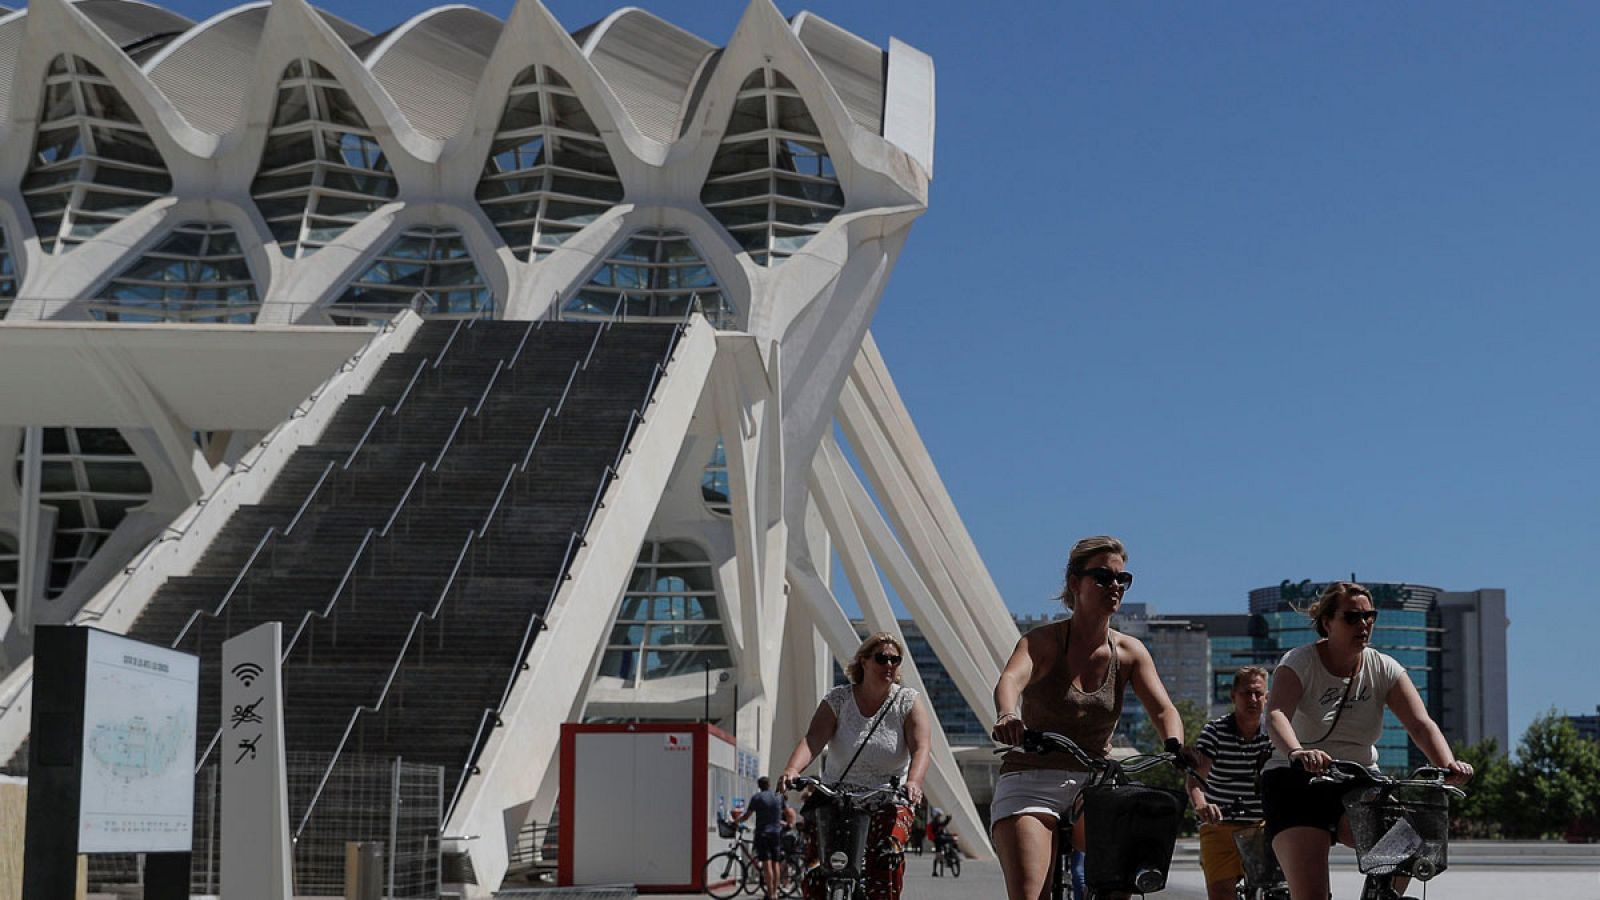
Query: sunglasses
1357	616
1105	578
885	659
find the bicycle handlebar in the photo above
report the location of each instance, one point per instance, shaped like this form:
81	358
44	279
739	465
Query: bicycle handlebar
801	782
1051	742
1344	771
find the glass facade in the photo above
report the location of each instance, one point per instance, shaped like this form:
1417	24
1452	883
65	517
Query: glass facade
772	183
196	274
670	618
427	269
548	173
8	275
322	169
93	162
714	483
92	478
652	274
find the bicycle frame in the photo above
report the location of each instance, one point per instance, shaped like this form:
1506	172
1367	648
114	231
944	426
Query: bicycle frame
841	832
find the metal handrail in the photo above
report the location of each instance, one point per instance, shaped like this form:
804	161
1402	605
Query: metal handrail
446	348
294	640
627	438
535	442
405	395
449	439
568	389
309	497
510	473
388	683
488	387
532	327
598	330
327	609
364	435
237	580
421	467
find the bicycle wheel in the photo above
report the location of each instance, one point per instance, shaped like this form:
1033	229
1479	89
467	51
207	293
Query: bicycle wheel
954	865
789	879
725	874
752	878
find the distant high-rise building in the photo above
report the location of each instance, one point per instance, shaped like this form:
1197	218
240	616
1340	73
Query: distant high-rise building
1472	667
1588	726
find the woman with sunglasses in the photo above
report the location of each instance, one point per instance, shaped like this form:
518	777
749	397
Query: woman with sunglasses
1326	703
876	730
1067	677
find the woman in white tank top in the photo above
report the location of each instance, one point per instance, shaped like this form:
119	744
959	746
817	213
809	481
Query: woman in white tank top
862	755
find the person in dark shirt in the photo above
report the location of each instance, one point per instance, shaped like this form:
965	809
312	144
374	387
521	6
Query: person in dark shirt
767	806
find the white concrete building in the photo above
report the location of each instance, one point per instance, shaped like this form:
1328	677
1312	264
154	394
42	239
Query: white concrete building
202	222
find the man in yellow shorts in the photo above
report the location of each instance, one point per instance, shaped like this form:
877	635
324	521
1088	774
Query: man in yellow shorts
1227	797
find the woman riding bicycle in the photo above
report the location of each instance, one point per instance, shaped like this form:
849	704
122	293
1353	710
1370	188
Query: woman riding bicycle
1327	703
877	732
1066	677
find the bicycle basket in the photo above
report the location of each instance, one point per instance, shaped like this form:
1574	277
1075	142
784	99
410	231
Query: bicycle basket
1255	853
726	828
841	837
1129	831
1400	829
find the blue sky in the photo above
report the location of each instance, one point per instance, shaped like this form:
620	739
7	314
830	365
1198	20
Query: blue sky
1268	290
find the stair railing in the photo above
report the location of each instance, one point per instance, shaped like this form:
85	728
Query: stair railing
575	541
421	467
328	613
538	433
510	473
383	694
405	395
532	327
599	330
305	504
228	595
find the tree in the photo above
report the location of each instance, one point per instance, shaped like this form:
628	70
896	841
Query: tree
1483	813
1555	784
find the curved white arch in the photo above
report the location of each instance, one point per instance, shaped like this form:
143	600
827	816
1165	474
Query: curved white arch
431	65
128	22
650	65
206	72
853	65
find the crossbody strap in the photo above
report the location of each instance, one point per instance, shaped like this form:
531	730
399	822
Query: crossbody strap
870	731
1339	710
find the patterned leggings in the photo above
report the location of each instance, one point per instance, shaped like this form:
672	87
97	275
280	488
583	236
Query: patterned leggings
886	856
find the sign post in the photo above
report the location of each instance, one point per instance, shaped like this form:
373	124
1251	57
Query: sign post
255	793
110	760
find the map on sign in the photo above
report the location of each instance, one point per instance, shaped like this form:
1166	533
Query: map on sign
138	747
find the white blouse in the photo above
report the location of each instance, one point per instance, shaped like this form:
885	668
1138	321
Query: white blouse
886	755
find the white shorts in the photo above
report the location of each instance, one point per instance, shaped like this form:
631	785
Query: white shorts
1045	791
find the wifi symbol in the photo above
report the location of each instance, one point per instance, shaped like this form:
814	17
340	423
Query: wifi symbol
247	673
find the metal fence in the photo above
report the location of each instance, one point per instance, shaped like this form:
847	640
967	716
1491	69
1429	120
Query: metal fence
390	801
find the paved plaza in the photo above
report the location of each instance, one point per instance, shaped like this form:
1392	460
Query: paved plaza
1478	871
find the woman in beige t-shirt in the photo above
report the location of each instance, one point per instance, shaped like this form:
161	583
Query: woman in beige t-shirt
1327	703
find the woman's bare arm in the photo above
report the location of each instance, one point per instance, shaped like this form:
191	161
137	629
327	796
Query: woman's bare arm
917	735
823	724
1017	675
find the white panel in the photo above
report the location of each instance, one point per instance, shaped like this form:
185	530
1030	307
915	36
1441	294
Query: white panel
600	807
663	812
908	103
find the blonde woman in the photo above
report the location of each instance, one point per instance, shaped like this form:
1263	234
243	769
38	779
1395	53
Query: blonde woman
876	730
1067	677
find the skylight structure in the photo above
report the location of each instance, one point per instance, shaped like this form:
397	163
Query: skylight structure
197	273
92	478
670	620
428	269
653	274
772	183
322	169
93	162
548	173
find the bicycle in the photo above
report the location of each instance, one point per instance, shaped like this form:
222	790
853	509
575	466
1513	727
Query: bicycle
840	825
1263	877
1132	853
736	869
946	855
1401	826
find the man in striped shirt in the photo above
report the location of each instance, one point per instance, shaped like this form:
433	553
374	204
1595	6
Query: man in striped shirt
1227	798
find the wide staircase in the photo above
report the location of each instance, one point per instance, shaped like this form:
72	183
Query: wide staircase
411	553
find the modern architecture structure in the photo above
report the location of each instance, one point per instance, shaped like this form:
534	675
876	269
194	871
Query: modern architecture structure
1588	726
610	489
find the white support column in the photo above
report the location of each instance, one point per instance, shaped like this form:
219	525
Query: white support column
749	417
897	492
871	377
944	784
845	498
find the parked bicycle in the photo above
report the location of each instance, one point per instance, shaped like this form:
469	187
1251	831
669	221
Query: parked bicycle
736	869
1401	826
1132	827
841	819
